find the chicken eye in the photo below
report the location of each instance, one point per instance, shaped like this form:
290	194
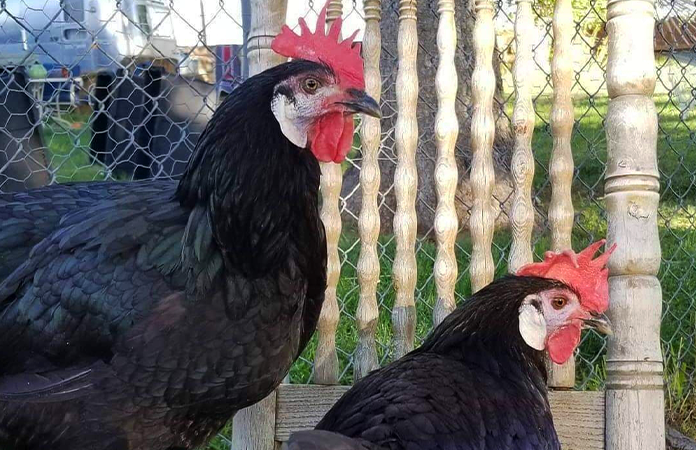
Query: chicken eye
310	85
558	302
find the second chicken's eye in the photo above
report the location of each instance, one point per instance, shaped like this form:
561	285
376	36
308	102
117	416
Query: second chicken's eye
311	85
558	302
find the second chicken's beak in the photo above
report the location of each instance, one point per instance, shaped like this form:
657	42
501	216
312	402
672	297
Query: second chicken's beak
360	102
599	322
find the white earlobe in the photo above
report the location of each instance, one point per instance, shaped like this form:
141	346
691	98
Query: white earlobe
286	115
532	324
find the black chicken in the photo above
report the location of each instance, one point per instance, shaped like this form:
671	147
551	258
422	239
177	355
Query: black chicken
144	315
478	382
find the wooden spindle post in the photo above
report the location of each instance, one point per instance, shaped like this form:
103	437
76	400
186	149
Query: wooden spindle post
267	18
446	131
406	181
561	165
522	216
635	397
367	314
482	134
253	427
326	370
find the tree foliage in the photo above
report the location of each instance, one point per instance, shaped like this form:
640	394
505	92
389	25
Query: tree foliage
589	16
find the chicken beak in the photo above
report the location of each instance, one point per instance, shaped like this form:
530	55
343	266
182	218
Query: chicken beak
599	322
360	102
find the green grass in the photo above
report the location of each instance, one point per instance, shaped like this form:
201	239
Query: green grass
675	147
677	163
68	143
678	282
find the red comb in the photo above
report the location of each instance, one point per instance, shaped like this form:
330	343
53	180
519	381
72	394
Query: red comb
586	275
342	56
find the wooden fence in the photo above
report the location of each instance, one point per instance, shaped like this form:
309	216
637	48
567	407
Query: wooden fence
630	414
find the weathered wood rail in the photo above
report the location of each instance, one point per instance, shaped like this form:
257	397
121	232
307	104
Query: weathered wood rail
629	415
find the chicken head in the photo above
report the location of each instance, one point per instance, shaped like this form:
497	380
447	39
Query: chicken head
315	109
553	319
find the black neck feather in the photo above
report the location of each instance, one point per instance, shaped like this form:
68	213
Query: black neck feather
259	189
485	328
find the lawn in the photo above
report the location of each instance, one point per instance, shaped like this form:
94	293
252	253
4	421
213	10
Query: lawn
68	141
677	161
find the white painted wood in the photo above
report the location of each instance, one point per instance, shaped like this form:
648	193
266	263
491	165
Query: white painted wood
253	427
578	416
579	419
406	181
522	216
367	314
446	176
482	133
561	165
326	370
301	407
635	397
267	18
326	359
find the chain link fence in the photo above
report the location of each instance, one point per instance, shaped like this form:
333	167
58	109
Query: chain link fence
121	90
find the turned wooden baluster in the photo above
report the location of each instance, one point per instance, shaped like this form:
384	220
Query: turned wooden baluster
367	314
482	135
326	370
254	427
635	399
522	216
406	181
446	131
561	165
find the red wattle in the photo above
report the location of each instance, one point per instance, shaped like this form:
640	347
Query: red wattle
332	137
562	343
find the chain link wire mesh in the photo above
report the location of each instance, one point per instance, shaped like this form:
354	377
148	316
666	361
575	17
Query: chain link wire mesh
121	90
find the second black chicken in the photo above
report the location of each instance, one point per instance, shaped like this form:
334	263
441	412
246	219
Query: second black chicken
478	382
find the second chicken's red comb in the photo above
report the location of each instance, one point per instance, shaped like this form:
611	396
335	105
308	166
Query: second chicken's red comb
342	56
589	277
